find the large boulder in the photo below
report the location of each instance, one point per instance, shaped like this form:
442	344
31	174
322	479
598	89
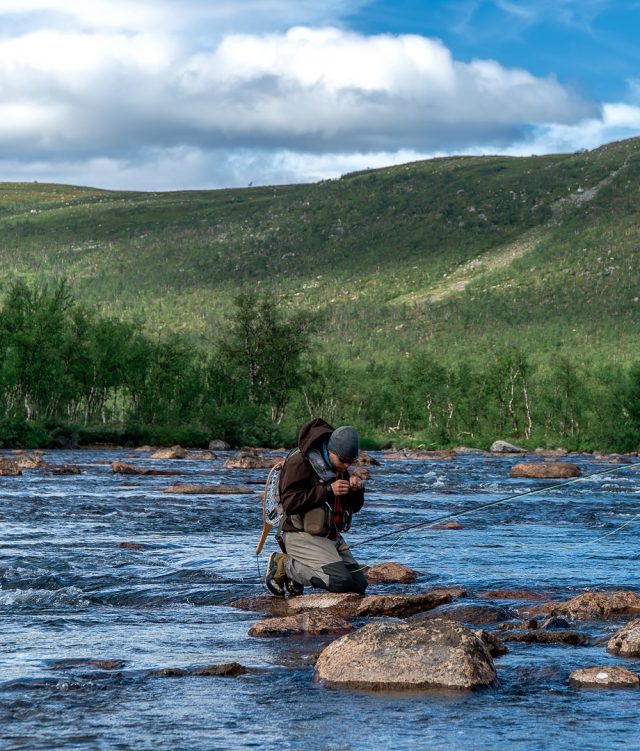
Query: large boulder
422	655
607	677
626	642
545	470
590	606
502	447
30	461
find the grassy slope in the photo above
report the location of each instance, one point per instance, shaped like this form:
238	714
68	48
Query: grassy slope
455	253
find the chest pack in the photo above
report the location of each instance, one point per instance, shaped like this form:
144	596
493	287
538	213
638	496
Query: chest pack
318	521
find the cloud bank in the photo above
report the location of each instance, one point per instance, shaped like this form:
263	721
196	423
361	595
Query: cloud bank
119	97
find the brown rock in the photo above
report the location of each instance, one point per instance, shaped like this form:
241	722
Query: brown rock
387	573
626	642
64	469
547	470
131	546
127	469
422	455
606	677
493	643
208	489
421	655
401	606
175	452
31	461
251	460
515	594
229	670
573	638
551	452
447	525
9	468
310	623
590	606
472	614
366	460
106	664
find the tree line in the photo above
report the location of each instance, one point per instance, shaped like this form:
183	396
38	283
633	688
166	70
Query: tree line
67	372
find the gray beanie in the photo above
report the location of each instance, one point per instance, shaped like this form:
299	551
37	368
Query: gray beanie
345	443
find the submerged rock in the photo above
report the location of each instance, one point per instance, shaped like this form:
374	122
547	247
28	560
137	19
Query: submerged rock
423	655
626	642
63	469
227	670
590	606
209	489
546	470
607	677
536	636
310	623
391	572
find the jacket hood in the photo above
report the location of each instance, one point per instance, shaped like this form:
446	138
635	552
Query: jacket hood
316	431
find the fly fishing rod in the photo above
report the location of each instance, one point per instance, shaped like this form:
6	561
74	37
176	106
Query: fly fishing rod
483	506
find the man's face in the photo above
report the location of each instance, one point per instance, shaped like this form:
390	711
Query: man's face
337	463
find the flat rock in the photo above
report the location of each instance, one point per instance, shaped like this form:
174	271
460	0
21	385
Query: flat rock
251	460
208	489
310	624
420	655
423	455
391	572
626	642
131	546
121	468
175	452
502	447
536	636
401	606
607	677
545	470
590	606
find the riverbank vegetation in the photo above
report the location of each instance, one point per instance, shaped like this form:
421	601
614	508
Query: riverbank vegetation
69	375
443	302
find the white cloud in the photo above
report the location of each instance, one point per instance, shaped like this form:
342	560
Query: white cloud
130	101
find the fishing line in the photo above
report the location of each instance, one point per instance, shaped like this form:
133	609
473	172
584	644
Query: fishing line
492	504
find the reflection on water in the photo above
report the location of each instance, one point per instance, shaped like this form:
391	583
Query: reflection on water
105	579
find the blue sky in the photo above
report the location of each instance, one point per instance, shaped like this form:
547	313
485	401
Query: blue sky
168	94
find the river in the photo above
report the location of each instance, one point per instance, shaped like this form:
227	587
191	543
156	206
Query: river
71	594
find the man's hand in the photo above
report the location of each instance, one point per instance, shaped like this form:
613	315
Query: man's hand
355	483
340	487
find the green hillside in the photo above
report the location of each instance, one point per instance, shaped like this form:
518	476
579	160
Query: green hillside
452	253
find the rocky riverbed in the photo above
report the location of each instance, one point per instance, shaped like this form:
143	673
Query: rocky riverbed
133	615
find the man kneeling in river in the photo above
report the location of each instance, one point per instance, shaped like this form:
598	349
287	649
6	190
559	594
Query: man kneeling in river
318	496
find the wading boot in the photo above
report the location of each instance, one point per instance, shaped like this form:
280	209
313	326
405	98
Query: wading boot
274	575
294	588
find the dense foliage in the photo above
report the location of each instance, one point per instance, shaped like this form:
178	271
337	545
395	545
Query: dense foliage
65	370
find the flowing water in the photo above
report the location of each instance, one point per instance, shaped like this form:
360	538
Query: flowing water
71	594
